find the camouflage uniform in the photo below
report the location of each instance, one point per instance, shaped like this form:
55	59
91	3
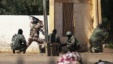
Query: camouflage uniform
96	39
34	32
35	28
18	43
72	44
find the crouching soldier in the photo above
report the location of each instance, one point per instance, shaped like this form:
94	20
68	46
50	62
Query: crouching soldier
97	38
71	43
19	42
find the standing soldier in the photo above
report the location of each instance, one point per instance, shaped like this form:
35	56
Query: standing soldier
54	43
36	26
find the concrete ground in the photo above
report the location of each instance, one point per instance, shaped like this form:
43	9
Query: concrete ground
35	58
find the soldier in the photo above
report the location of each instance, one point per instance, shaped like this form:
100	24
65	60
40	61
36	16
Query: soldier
72	43
36	26
97	38
103	62
54	41
19	42
54	37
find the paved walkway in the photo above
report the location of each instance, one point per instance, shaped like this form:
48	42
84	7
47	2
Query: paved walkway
34	58
30	58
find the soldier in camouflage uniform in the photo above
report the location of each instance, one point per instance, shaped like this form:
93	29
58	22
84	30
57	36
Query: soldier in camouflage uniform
19	42
72	43
36	26
97	38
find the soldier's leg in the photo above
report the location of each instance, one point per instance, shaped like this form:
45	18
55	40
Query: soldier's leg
100	47
92	46
55	49
49	47
13	51
23	49
30	40
42	46
58	49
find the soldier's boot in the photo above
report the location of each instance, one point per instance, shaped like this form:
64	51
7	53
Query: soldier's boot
24	51
13	51
92	50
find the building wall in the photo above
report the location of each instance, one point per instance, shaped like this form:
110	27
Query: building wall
82	20
85	19
51	13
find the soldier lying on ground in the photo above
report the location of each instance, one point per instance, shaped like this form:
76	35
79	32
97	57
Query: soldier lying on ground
103	62
19	42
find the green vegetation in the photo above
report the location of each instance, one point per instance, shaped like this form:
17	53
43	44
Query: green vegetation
22	7
107	15
110	45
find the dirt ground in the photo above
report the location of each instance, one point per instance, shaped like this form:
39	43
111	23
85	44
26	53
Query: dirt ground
35	58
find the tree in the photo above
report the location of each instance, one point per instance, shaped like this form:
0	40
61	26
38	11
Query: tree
23	7
107	12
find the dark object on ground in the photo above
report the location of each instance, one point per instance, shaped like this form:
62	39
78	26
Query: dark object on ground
103	62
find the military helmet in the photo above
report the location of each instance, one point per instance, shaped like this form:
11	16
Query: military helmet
68	33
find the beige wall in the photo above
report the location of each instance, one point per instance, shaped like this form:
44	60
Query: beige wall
51	13
82	19
58	18
85	19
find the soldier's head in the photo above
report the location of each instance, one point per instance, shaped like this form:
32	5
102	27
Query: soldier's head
55	31
69	34
20	31
35	20
100	26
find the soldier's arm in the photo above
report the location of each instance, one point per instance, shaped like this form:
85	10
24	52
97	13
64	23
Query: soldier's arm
49	37
41	27
37	25
13	37
41	24
72	41
31	25
42	31
58	39
23	39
